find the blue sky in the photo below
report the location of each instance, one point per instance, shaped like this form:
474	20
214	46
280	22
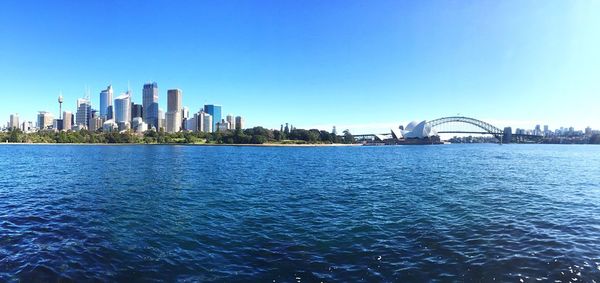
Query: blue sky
363	65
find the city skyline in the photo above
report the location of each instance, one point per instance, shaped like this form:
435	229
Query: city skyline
366	68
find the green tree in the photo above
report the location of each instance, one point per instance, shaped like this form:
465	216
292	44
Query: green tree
348	137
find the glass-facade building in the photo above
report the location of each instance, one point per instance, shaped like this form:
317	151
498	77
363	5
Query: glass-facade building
215	112
150	104
106	100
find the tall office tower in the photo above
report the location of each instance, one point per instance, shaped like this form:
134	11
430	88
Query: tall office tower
95	124
106	100
546	130
215	112
161	120
84	111
150	105
185	112
207	122
13	123
174	109
44	120
239	123
136	111
185	115
230	122
123	111
67	120
111	113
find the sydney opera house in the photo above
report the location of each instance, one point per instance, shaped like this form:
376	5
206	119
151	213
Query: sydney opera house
414	133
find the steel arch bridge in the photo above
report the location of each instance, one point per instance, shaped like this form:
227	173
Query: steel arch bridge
486	128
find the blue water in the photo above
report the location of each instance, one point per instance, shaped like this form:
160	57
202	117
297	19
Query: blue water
347	214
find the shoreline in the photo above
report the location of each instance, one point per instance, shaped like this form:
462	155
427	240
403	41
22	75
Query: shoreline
186	144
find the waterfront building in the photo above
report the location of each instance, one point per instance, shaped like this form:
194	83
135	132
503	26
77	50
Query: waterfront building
215	112
136	111
230	121
138	125
174	111
150	110
13	123
57	124
27	126
44	120
185	112
507	135
207	122
239	123
161	120
111	113
173	122
123	111
223	126
191	124
546	130
84	112
110	126
95	124
106	101
67	121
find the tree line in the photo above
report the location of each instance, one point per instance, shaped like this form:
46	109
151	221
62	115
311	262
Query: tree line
256	135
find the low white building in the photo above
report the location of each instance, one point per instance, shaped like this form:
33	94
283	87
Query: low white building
110	126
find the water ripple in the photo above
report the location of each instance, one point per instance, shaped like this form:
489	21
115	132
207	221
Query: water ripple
181	213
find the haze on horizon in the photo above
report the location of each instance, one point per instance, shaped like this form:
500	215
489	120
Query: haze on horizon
362	65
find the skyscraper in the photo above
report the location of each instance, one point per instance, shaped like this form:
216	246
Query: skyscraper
239	123
136	111
230	122
215	112
67	116
174	110
84	111
123	110
14	121
44	120
150	105
106	100
207	122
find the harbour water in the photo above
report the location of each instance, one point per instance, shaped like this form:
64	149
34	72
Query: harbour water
326	214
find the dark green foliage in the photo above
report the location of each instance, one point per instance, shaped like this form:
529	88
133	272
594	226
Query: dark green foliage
256	135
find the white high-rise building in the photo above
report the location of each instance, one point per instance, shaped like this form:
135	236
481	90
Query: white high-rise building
138	125
185	112
207	122
123	109
173	120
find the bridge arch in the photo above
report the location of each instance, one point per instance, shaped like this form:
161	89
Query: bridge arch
486	127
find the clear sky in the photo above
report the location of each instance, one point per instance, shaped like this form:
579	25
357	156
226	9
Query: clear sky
363	65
